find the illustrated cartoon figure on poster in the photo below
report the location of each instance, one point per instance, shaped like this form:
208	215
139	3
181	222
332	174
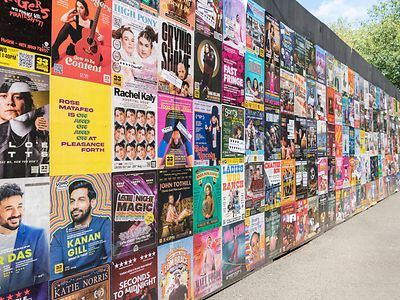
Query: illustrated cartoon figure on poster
28	243
208	203
78	27
176	138
82	199
24	130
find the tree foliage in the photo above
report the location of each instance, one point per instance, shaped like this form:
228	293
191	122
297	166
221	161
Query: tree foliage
377	38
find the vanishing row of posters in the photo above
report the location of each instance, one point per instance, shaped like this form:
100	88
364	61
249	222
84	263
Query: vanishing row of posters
82	243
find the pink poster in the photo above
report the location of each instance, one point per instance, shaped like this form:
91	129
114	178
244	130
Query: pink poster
232	76
322	175
175	116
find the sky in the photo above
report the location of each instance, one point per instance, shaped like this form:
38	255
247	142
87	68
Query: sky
329	11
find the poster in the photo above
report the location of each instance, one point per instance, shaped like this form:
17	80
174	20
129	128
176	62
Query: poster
301	179
330	102
207	68
254	135
320	111
272	171
206	198
288	217
255	241
311	135
81	54
320	64
273	134
338	140
288	137
90	284
175	204
311	72
301	228
311	99
255	28
24	240
135	51
182	12
288	180
300	105
272	85
338	108
300	138
233	252
287	47
80	223
134	212
321	138
209	18
233	193
287	93
345	140
338	76
207	133
254	85
26	26
323	212
35	292
175	63
234	33
175	128
312	178
24	124
331	147
233	143
331	173
313	216
272	40
299	54
254	188
135	276
330	77
350	75
322	175
232	76
151	6
273	233
339	175
339	207
331	209
207	262
81	111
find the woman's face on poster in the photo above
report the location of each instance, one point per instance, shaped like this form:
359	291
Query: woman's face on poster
128	41
80	9
145	47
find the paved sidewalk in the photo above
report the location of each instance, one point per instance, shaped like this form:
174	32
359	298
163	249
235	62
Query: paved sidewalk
358	259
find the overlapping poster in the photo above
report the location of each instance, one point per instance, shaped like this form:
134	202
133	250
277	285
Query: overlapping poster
24	124
233	193
320	64
35	292
175	270
232	76
313	216
272	40
135	276
255	28
287	47
300	138
182	12
272	171
288	137
322	175
207	262
288	217
175	204
254	188
272	147
287	92
254	135
312	178
233	142
255	241
273	233
234	28
321	138
24	239
81	40
206	198
288	180
80	223
300	104
175	63
301	179
320	110
254	82
175	139
312	100
299	54
301	228
209	18
311	72
134	212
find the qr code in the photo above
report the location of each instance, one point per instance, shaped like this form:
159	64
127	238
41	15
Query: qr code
25	60
58	68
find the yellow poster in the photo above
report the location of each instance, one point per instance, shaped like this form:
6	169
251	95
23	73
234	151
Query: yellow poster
81	123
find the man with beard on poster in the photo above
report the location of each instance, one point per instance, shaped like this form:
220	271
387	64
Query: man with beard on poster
95	234
208	70
25	241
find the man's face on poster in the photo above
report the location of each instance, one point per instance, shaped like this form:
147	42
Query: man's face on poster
12	105
11	211
80	206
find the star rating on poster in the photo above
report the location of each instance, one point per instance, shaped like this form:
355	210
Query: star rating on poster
130	261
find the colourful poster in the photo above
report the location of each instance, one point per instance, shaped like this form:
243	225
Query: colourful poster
288	137
255	241
330	76
320	64
320	110
299	54
254	188
301	228
81	40
81	125
254	135
24	238
311	73
175	269
206	198
38	291
288	217
313	216
24	124
331	173
301	179
134	212
234	33
300	105
232	76
322	175
135	276
175	63
233	252
255	28
288	181
321	138
287	47
330	99
272	170
254	85
182	12
233	193
233	144
175	128
207	262
80	223
331	147
287	93
90	284
339	174
273	233
272	147
300	139
312	100
272	85
207	69
209	18
272	40
175	204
